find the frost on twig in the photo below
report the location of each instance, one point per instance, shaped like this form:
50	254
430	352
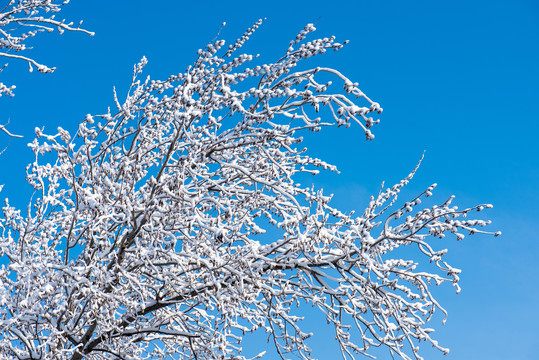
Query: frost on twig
149	238
22	20
3	128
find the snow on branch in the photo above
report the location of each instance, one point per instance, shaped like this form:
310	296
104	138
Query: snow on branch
175	226
21	20
3	128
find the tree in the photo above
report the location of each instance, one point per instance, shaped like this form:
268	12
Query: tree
176	225
21	20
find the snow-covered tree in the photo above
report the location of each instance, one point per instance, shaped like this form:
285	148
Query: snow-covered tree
174	226
21	20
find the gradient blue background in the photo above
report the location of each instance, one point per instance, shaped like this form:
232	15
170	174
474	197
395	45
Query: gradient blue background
458	79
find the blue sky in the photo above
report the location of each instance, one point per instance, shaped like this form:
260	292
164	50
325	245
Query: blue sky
456	79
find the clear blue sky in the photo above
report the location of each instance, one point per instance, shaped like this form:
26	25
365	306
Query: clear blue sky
458	79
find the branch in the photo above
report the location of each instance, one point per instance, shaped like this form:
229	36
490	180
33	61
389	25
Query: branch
3	128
